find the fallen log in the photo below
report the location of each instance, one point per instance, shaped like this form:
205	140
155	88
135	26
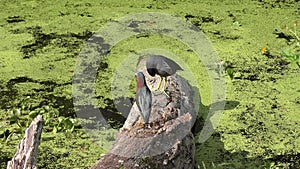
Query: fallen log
26	155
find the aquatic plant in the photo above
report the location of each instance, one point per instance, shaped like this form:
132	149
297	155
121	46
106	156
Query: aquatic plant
294	41
294	37
20	118
266	50
293	58
227	67
230	72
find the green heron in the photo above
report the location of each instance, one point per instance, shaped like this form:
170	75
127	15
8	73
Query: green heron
143	97
157	64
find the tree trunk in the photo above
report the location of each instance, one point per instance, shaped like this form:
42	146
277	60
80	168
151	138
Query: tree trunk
167	143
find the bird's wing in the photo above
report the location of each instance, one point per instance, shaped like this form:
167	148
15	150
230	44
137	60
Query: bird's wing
145	102
140	102
148	101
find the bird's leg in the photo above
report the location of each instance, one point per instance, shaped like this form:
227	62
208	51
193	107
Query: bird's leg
159	83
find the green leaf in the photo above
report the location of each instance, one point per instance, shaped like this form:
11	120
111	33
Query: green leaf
60	119
286	53
55	129
68	123
46	108
230	72
47	118
13	119
55	113
33	114
297	56
16	112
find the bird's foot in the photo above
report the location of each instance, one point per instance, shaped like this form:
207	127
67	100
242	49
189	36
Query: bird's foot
141	123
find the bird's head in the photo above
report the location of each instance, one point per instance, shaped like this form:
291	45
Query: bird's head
140	80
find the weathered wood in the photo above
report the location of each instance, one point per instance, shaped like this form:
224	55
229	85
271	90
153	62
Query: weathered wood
168	143
26	155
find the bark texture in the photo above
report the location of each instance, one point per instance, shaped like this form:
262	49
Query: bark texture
26	155
168	142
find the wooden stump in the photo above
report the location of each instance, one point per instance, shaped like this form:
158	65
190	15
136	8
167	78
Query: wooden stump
25	157
168	143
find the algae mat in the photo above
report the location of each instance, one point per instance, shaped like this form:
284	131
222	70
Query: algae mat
40	42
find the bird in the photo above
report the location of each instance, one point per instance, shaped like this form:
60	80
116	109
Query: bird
143	97
162	66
